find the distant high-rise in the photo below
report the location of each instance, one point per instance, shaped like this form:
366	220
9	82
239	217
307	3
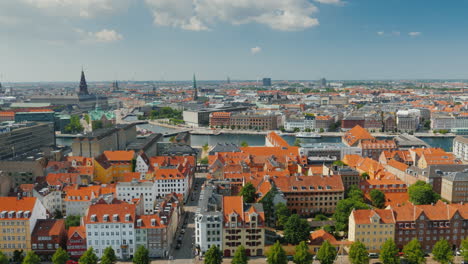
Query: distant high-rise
228	80
323	82
115	86
83	85
266	81
195	91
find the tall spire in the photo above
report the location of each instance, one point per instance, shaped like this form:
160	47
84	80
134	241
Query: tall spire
83	85
195	92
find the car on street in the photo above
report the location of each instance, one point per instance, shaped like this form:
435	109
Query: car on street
182	231
373	255
178	245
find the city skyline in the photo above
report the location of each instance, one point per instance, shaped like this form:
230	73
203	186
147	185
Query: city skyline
139	40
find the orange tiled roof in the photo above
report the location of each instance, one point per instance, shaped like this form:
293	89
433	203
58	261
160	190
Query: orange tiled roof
121	210
54	179
398	165
355	134
364	216
147	220
14	204
7	114
233	204
81	230
49	227
119	155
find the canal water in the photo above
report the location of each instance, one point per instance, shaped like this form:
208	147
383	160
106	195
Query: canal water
259	140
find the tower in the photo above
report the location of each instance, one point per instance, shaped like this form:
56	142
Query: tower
83	85
195	91
115	86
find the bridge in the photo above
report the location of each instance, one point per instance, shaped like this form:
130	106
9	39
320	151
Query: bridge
174	133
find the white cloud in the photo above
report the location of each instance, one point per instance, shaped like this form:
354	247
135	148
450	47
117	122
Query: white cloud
255	50
77	8
103	36
414	34
380	33
332	2
285	15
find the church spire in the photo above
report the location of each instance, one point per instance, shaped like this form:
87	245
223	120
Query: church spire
83	85
195	94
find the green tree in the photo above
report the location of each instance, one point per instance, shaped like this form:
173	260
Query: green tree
282	214
89	257
442	252
213	255
355	193
3	258
244	144
297	142
204	161
365	175
240	256
276	255
320	217
172	139
282	129
343	210
248	192
358	253
58	214
464	249
74	126
18	256
72	220
141	256
389	253
321	130
308	130
296	129
86	117
31	258
377	198
109	256
339	163
327	253
206	147
302	255
60	256
413	252
296	230
422	193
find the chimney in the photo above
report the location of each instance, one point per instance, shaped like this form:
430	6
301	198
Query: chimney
19	197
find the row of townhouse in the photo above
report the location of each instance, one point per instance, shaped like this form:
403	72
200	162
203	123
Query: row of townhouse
402	223
124	226
227	222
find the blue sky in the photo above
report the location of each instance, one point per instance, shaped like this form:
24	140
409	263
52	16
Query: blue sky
49	40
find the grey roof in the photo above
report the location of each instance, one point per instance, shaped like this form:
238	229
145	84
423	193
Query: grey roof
225	147
457	176
462	139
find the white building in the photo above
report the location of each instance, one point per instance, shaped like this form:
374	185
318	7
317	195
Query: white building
291	124
460	148
77	201
442	121
136	189
51	199
460	124
111	225
209	220
170	180
142	165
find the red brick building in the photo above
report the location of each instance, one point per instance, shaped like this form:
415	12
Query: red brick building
218	119
76	243
48	235
372	148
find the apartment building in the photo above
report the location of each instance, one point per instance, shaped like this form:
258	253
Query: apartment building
18	217
244	224
430	223
138	189
256	121
460	147
308	195
454	187
209	219
112	165
48	235
76	242
220	119
371	227
372	148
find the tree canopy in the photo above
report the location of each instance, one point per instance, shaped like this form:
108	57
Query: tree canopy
282	214
31	258
60	256
413	252
422	193
327	253
248	192
442	252
3	258
72	220
302	255
389	253
109	256
358	253
240	256
276	255
141	256
377	198
296	230
74	126
89	257
464	248
213	255
344	209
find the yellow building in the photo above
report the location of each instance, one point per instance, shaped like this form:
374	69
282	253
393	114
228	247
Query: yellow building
112	165
371	227
18	216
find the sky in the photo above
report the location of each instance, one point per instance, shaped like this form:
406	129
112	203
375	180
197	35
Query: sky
51	40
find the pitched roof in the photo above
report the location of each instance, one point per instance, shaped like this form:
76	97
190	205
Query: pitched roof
109	210
14	204
357	133
233	204
119	155
364	216
81	230
49	227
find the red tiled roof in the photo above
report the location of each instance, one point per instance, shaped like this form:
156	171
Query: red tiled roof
356	134
119	155
364	216
81	230
24	204
49	227
121	210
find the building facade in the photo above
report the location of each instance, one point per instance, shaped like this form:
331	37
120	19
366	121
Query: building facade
371	227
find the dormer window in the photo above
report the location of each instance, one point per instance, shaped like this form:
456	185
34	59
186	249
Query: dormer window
127	217
94	218
106	218
27	214
233	218
19	214
115	217
3	214
153	222
139	222
10	214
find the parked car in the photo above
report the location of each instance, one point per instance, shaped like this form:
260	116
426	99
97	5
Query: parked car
182	231
178	245
373	255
